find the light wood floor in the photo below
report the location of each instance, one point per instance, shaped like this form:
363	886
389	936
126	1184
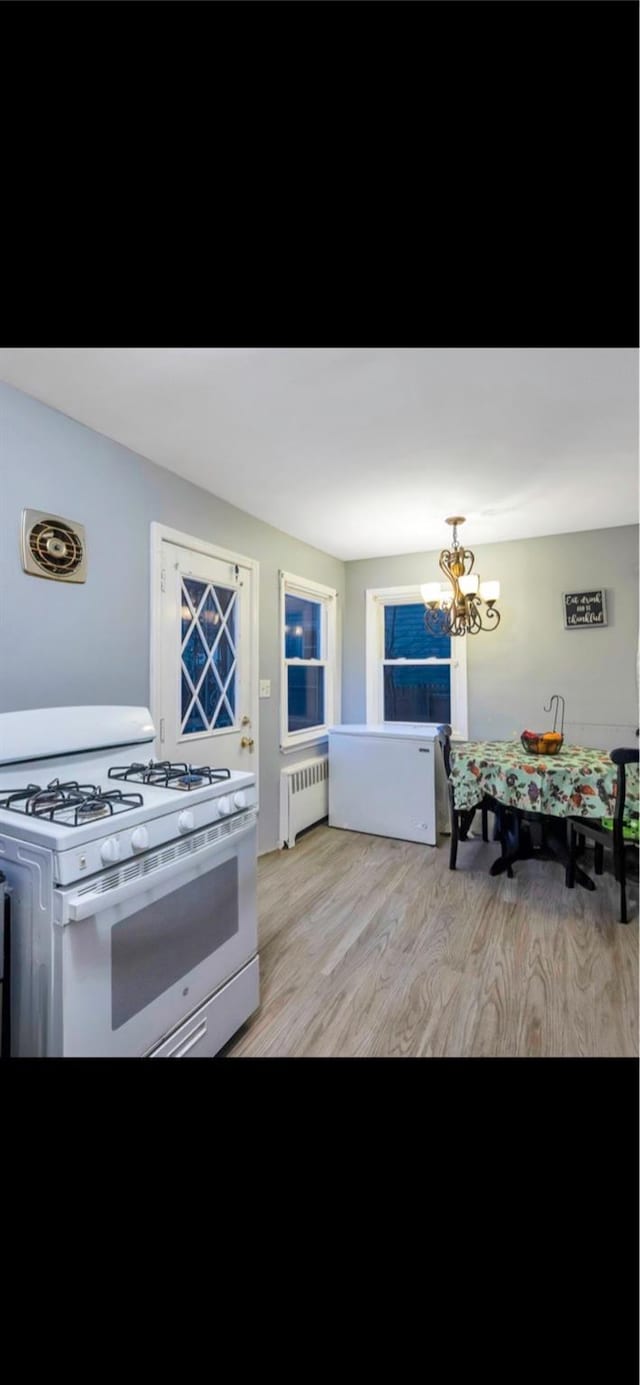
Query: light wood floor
370	946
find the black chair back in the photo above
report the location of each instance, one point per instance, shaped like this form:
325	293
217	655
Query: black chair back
622	757
446	749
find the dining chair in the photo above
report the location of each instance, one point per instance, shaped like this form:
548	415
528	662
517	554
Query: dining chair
462	818
607	837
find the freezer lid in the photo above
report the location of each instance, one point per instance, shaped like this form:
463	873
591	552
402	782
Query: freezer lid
404	731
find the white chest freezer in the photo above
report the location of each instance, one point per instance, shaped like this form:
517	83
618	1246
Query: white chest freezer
388	779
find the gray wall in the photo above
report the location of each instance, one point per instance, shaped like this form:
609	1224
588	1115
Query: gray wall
89	643
63	645
512	671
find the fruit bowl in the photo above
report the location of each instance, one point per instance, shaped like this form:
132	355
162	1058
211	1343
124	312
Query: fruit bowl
542	742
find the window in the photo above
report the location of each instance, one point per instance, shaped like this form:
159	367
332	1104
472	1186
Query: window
308	683
412	675
208	657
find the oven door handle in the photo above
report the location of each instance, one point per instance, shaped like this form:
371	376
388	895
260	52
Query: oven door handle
77	907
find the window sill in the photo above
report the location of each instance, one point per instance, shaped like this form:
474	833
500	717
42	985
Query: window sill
290	748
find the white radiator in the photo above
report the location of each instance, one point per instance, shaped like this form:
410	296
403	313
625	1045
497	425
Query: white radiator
304	797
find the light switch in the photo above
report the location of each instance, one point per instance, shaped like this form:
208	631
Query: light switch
265	687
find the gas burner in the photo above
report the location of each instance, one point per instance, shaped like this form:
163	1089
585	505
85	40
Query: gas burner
187	781
92	808
57	795
165	775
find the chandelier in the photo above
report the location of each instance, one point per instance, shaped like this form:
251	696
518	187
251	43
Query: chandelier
458	612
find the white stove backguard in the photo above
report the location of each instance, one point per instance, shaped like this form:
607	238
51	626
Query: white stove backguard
50	732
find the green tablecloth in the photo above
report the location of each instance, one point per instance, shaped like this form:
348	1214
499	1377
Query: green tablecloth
578	782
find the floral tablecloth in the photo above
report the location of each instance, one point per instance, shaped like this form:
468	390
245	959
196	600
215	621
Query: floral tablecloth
578	782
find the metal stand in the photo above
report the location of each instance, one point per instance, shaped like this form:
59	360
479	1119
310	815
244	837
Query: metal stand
519	845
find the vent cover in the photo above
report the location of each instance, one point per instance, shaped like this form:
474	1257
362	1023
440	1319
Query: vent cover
53	547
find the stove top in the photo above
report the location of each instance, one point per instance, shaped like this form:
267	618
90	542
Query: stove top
66	788
70	803
163	774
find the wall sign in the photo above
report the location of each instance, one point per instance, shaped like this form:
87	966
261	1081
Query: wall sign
584	609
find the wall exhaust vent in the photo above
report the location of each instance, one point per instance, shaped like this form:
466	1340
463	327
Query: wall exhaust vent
53	547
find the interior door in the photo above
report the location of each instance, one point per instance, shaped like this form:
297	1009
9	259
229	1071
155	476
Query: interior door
207	688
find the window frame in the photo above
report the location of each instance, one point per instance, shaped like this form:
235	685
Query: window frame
327	598
376	600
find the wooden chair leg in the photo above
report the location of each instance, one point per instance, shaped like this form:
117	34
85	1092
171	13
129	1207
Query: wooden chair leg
503	841
620	863
485	825
570	873
623	898
599	858
453	817
453	853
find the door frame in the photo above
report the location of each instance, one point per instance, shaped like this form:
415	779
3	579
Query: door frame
162	533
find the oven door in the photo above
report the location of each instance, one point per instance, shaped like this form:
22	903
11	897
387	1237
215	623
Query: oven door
141	947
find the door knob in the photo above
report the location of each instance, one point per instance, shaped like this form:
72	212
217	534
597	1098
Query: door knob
246	741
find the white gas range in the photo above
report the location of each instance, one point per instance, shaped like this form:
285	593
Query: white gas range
133	889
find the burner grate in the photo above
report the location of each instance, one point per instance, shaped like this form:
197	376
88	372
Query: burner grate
70	803
164	774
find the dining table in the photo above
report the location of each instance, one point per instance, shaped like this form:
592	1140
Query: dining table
577	782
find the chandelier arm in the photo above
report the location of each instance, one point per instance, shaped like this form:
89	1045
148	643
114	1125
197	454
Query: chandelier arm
433	620
474	618
445	561
493	616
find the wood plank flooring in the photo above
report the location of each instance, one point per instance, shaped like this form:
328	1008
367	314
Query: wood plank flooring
373	947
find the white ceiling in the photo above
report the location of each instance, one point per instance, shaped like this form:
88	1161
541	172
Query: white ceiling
365	451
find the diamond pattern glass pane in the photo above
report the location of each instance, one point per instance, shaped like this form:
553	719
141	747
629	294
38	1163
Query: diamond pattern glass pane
417	693
186	695
224	595
302	628
223	718
306	696
186	616
406	636
195	589
194	722
210	694
223	657
194	657
208	618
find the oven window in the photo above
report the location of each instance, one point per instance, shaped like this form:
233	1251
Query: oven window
157	946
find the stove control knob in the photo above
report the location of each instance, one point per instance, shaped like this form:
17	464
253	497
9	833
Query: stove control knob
186	821
110	851
224	806
240	800
139	839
